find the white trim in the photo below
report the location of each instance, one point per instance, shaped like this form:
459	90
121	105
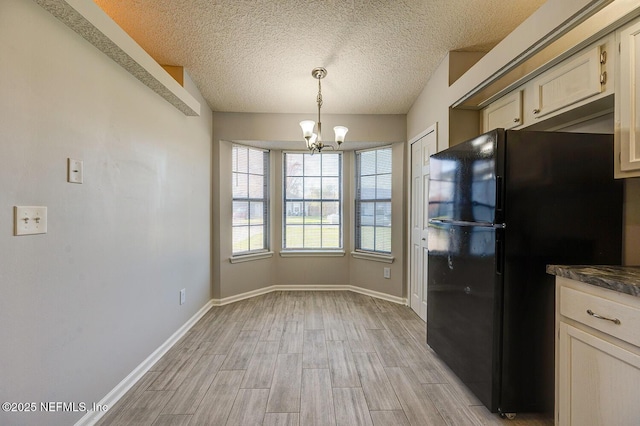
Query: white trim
376	257
127	383
249	257
328	287
312	253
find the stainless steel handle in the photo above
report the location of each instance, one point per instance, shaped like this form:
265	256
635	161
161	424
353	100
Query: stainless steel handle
613	320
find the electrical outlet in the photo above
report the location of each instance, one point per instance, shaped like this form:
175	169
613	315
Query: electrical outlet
29	220
183	296
387	272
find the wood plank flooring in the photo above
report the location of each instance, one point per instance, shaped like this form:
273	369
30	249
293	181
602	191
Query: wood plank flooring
305	358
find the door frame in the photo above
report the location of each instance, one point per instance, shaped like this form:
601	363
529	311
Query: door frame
431	129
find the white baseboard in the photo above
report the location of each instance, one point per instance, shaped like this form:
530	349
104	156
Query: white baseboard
127	383
331	287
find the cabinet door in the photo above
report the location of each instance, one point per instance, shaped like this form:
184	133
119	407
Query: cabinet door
571	82
504	113
597	381
628	134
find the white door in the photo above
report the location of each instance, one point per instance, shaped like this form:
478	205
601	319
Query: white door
420	152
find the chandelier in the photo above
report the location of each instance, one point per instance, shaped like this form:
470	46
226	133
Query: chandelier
314	140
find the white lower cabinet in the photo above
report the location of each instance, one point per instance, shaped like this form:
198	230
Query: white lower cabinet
597	356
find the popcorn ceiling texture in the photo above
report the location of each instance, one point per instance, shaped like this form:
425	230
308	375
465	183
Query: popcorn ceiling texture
79	24
257	55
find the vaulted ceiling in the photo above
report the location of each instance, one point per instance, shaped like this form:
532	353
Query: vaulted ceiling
257	55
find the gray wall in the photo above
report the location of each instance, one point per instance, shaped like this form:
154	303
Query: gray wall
86	303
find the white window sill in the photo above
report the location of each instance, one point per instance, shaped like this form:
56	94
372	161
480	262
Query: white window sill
312	253
376	257
250	257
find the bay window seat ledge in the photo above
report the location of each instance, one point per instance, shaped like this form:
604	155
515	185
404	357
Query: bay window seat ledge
312	253
377	257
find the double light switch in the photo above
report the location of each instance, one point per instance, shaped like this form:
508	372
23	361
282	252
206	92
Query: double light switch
30	220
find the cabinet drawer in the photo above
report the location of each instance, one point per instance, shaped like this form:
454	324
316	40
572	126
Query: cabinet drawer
576	305
505	113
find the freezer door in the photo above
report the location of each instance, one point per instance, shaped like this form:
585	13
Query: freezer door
464	293
465	183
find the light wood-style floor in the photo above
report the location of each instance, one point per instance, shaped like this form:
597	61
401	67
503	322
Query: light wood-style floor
304	358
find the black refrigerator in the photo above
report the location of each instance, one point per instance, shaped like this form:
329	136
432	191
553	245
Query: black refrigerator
501	207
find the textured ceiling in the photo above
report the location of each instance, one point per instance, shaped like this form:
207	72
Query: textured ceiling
257	55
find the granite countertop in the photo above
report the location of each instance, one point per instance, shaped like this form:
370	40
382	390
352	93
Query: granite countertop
623	279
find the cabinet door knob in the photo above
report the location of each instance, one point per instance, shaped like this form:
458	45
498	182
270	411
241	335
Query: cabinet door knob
516	120
536	111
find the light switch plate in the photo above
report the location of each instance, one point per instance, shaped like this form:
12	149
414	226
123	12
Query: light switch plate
29	220
74	170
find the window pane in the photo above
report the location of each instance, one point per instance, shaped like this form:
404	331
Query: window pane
294	212
330	165
367	213
294	187
256	162
256	186
241	159
331	188
368	187
367	163
383	214
331	236
256	241
312	188
240	188
256	212
240	239
331	212
367	235
312	166
240	213
294	164
383	187
383	161
383	239
313	211
312	236
294	236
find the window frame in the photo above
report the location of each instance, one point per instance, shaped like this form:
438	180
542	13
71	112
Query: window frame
358	202
266	200
330	251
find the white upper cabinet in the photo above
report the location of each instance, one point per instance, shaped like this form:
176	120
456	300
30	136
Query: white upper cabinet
505	113
565	92
627	110
577	79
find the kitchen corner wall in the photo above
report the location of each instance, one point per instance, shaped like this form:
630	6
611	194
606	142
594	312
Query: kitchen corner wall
283	130
87	302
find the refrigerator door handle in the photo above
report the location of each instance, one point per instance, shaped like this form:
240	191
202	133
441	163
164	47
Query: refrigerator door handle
467	223
499	253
